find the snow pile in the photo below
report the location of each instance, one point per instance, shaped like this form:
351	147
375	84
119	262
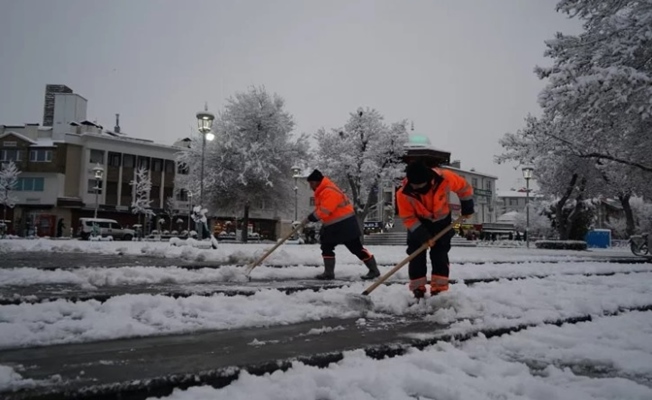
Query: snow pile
301	255
92	277
10	380
594	360
257	342
325	329
463	308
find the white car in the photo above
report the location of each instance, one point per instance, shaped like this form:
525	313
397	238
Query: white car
106	227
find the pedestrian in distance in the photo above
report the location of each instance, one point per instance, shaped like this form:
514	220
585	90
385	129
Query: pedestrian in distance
424	207
339	226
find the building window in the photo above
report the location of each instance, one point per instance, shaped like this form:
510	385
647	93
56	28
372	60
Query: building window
182	195
487	185
474	182
97	156
126	190
30	184
143	162
169	167
128	160
114	159
91	186
10	155
10	144
157	165
112	193
513	202
312	201
40	155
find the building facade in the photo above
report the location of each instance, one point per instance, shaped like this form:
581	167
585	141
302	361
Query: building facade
48	102
512	200
57	180
484	194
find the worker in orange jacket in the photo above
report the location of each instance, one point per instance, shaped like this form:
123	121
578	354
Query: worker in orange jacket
339	226
424	207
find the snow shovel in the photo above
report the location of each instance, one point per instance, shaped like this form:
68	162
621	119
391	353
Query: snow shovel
363	301
270	251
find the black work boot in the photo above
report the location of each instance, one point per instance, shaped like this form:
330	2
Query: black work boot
419	293
329	270
373	269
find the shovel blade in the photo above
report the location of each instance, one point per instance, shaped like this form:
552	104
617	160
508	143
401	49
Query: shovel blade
359	302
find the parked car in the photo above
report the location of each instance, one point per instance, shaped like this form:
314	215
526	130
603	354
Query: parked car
106	227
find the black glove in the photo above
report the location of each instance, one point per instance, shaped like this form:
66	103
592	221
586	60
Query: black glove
467	207
421	234
313	218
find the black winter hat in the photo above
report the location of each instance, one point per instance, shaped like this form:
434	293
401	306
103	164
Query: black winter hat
417	173
315	176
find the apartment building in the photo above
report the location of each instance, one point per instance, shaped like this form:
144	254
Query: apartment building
512	200
57	178
484	193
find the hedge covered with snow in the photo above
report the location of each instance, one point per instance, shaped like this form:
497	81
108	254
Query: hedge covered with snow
561	244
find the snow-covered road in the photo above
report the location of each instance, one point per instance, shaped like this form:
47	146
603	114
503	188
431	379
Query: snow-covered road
540	362
609	358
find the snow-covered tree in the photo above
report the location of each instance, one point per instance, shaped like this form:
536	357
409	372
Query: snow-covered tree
596	104
170	207
600	84
251	158
642	211
8	182
362	155
141	204
540	223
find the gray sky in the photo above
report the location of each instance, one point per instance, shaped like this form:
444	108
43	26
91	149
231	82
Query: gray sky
460	69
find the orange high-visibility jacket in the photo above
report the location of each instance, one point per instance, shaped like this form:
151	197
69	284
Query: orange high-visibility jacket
331	204
433	205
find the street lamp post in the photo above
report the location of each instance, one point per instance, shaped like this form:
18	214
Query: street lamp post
189	210
205	125
295	174
527	174
99	174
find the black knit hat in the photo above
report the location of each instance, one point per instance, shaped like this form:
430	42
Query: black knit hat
417	173
315	176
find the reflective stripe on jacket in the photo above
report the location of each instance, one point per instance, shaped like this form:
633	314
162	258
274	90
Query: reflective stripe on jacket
331	204
434	204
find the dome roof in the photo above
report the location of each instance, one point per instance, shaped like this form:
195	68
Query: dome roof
416	139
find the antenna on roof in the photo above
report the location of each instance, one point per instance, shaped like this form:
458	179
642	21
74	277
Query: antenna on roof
412	126
205	106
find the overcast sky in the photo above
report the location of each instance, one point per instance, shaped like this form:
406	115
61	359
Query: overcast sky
460	69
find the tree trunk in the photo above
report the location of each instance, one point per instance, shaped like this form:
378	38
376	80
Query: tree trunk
561	222
245	224
577	210
5	227
629	215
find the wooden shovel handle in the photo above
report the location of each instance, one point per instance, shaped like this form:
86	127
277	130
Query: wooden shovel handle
270	251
